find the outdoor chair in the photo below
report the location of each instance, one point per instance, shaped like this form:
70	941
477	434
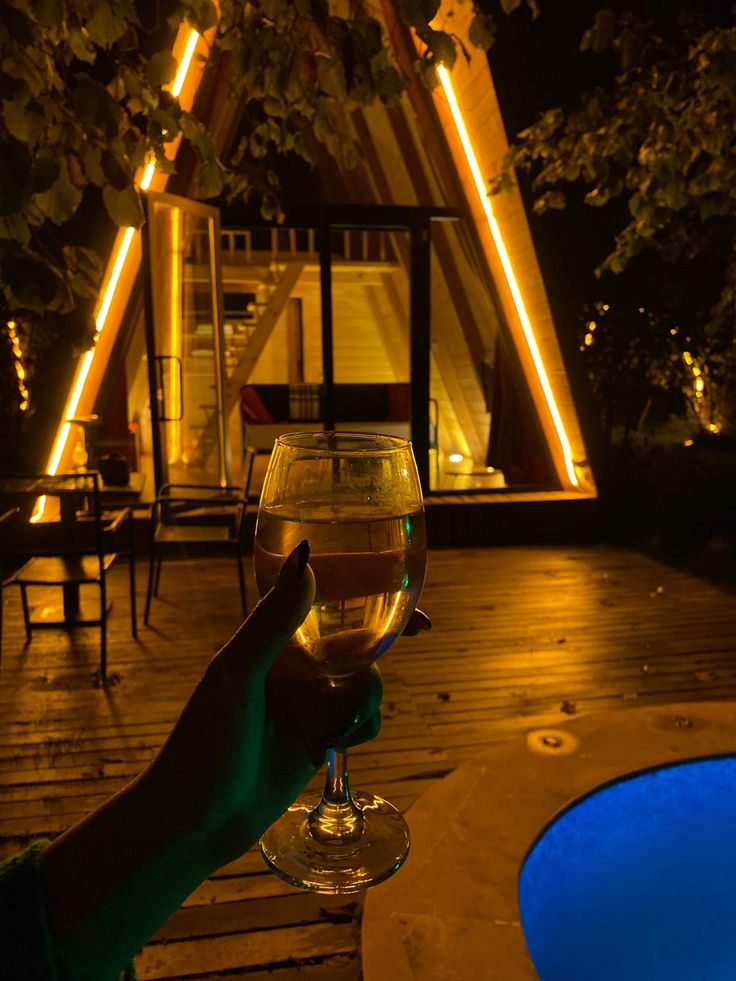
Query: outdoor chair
7	567
71	544
200	517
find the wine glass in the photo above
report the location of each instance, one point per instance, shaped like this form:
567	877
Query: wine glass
356	497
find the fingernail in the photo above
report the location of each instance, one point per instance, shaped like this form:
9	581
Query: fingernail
295	562
424	623
303	554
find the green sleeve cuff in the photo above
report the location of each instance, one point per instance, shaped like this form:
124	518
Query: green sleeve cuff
26	948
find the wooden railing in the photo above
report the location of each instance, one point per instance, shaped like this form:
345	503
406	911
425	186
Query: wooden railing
249	246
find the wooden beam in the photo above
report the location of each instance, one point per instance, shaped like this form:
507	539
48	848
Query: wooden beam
444	361
259	338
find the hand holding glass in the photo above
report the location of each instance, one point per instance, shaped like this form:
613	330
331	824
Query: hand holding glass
356	497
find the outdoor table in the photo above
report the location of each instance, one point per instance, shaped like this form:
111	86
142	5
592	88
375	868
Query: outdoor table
72	503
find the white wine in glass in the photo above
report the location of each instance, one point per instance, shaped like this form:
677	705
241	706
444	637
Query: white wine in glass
356	498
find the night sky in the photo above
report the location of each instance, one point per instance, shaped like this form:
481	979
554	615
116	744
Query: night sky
537	65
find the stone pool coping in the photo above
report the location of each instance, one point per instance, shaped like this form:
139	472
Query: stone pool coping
452	914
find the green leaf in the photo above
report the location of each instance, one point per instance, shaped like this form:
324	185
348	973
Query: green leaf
389	86
32	282
110	20
600	36
10	85
115	170
161	69
597	197
16	24
23	117
209	178
62	199
95	106
418	13
79	43
367	31
91	157
198	137
45	172
442	47
16	229
163	126
86	270
15	175
124	206
323	128
482	32
50	13
202	15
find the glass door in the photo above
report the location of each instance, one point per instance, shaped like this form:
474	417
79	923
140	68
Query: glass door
185	341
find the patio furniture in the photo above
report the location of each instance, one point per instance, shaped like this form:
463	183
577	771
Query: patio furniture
66	539
9	516
199	516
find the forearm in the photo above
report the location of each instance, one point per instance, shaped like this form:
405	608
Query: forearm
116	876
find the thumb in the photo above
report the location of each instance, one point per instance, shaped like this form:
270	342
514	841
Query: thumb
254	646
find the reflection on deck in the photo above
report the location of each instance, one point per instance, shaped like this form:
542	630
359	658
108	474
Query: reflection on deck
522	638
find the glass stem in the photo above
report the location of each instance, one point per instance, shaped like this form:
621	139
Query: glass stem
336	819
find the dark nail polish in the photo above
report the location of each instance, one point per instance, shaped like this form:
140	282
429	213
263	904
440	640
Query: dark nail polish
423	621
303	557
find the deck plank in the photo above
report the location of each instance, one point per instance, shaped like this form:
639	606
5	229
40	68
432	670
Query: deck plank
523	638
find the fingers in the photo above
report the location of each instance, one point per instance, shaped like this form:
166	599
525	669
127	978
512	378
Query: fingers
363	734
418	622
320	714
272	624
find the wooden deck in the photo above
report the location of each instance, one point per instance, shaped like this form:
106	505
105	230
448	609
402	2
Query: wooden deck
523	637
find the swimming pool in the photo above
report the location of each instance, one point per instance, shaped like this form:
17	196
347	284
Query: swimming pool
637	880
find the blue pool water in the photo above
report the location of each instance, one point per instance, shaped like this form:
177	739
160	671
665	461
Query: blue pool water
637	881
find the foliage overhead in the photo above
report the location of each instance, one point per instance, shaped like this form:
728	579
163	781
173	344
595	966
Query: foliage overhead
661	138
85	104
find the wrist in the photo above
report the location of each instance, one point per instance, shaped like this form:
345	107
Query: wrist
115	877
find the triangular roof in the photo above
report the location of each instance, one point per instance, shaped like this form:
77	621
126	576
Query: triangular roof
437	148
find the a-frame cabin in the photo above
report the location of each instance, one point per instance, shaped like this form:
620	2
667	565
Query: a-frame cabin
397	296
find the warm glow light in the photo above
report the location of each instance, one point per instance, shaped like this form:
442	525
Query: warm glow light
71	408
148	175
112	283
118	263
186	60
455	458
175	322
509	273
20	371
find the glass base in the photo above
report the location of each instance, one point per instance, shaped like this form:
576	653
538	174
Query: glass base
337	869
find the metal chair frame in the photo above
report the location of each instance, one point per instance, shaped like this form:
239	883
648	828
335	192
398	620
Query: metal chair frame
70	553
194	514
